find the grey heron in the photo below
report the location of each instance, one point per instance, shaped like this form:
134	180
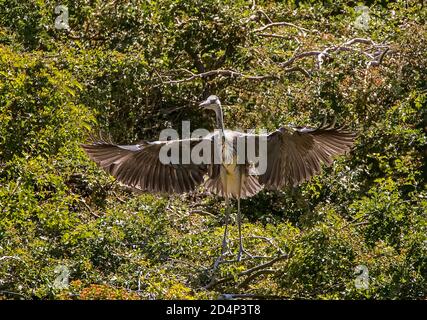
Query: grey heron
293	155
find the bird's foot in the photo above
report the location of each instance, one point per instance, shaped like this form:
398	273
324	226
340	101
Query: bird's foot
217	262
224	252
243	252
220	259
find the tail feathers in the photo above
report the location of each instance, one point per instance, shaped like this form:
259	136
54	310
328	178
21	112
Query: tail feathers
250	187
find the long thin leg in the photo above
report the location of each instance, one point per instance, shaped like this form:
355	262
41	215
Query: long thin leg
239	219
224	238
227	218
239	223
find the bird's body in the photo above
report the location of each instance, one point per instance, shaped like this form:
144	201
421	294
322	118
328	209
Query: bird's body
292	155
232	178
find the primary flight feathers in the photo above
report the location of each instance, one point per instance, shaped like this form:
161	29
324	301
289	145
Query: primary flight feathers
293	156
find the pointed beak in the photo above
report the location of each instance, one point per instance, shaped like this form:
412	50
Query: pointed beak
204	103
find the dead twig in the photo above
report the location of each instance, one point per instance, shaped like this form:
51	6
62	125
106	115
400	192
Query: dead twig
355	222
278	24
202	212
15	294
346	46
231	296
244	259
300	69
11	257
117	197
298	57
247	272
225	73
274	35
269	240
89	208
264	14
320	56
246	282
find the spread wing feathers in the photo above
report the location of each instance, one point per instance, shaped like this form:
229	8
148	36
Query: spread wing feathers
139	166
294	156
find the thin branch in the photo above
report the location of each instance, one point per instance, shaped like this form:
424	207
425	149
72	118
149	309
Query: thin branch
353	222
346	46
253	5
171	110
225	73
18	182
15	294
196	59
244	259
359	40
231	296
264	265
378	60
269	240
191	265
11	257
299	56
246	282
274	35
265	15
362	223
319	55
202	212
89	208
117	197
214	283
300	69
277	24
96	37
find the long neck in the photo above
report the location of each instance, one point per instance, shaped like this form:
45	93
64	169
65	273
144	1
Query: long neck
219	118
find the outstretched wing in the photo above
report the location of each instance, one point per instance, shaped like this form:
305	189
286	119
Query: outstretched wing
295	155
139	166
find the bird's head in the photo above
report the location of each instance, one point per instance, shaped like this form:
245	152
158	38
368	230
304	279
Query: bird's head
212	103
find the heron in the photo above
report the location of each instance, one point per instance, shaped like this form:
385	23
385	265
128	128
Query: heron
292	154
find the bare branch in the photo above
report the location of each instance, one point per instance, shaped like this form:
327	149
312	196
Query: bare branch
374	60
10	257
277	24
88	208
359	40
265	265
202	213
253	5
246	282
274	35
299	56
247	272
15	294
300	69
243	259
346	46
118	198
269	240
225	73
378	60
196	59
231	296
265	15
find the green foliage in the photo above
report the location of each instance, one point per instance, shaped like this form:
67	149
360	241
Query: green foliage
113	71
